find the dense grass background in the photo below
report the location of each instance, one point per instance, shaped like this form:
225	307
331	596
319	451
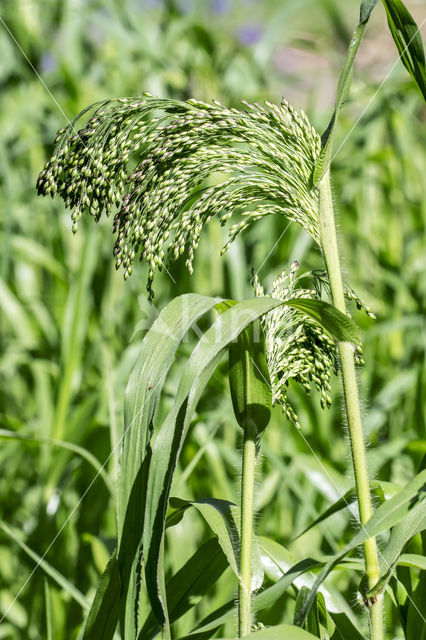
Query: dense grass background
68	319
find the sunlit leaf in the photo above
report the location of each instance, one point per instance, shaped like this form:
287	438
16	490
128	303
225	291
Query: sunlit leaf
386	516
408	40
103	616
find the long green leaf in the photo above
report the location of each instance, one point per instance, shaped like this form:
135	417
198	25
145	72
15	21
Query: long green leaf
146	382
416	626
168	443
48	611
60	580
103	616
379	488
413	523
189	585
319	622
412	560
385	517
262	600
223	517
277	561
142	396
344	84
333	321
408	40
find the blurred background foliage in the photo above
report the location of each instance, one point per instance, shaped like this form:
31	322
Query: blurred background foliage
68	319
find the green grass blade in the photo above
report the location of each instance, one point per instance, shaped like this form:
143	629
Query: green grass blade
70	446
17	316
222	518
104	612
146	383
412	560
408	40
60	580
380	490
262	600
74	323
168	443
413	523
385	517
343	88
190	584
277	561
318	621
367	7
142	397
49	612
416	625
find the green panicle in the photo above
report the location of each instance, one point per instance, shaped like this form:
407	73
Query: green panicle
260	158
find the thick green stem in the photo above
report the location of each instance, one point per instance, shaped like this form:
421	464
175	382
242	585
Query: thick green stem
350	386
247	505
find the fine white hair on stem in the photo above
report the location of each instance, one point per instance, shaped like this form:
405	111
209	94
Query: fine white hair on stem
168	166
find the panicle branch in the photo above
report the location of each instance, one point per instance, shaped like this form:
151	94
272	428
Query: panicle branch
166	167
296	347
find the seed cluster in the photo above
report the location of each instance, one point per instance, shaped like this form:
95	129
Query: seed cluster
296	347
191	161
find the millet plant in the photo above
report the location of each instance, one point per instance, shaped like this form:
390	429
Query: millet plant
164	168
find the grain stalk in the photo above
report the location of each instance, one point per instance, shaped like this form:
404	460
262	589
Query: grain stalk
352	404
266	157
247	506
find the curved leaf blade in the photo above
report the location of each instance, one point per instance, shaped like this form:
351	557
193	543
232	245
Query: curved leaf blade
249	379
188	586
339	326
103	615
380	489
408	40
222	518
143	392
343	87
413	523
168	443
385	517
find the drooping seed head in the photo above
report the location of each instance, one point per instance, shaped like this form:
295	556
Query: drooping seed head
191	161
296	347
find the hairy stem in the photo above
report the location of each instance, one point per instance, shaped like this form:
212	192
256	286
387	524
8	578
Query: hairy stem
353	412
247	504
